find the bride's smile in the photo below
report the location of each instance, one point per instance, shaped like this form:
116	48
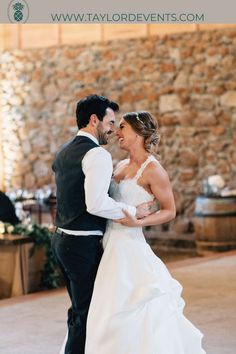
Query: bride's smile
127	137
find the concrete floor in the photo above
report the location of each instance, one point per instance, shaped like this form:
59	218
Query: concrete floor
36	324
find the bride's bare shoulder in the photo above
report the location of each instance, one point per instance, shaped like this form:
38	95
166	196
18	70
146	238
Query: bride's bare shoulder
155	170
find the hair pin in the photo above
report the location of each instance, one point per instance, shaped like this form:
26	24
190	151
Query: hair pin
137	117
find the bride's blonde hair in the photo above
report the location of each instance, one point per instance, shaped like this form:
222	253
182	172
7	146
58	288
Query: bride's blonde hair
145	125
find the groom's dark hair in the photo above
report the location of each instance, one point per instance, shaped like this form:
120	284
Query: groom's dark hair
93	104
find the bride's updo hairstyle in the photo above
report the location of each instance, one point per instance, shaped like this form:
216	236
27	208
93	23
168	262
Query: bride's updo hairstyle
145	125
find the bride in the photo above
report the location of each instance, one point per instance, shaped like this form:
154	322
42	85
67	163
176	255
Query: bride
136	306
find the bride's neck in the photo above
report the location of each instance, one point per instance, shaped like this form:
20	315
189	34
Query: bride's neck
138	156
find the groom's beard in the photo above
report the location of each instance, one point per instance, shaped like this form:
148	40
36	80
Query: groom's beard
102	137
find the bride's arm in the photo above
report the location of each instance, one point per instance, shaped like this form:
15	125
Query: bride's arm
160	186
159	183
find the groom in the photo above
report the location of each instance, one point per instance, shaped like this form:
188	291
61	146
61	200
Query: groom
83	171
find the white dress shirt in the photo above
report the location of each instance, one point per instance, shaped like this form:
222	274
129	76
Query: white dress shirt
97	168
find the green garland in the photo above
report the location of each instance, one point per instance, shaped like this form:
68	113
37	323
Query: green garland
50	275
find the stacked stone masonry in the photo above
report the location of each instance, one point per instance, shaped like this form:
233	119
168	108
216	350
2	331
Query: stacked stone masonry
187	80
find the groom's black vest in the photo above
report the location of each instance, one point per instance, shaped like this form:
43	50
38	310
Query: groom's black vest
71	207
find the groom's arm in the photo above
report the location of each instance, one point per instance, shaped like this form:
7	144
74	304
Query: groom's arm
97	168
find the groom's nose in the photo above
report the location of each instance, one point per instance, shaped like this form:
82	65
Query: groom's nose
114	130
111	130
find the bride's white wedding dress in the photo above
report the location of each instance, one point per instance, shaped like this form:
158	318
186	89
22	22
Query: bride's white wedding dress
136	306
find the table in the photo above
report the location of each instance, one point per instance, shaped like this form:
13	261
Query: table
14	265
40	212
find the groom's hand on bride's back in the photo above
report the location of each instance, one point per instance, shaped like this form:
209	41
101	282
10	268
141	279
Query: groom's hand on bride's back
146	209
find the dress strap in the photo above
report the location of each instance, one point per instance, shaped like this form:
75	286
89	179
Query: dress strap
143	166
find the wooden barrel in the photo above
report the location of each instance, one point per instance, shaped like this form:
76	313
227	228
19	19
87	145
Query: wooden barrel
215	224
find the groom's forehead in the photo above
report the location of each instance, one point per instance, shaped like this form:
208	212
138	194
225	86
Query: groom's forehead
110	113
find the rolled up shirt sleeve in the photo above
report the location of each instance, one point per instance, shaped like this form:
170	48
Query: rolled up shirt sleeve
97	168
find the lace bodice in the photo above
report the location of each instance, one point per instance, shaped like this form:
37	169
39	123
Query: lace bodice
129	192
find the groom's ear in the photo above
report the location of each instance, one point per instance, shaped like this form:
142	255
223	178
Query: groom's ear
93	120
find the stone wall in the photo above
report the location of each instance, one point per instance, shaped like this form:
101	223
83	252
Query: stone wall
188	81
